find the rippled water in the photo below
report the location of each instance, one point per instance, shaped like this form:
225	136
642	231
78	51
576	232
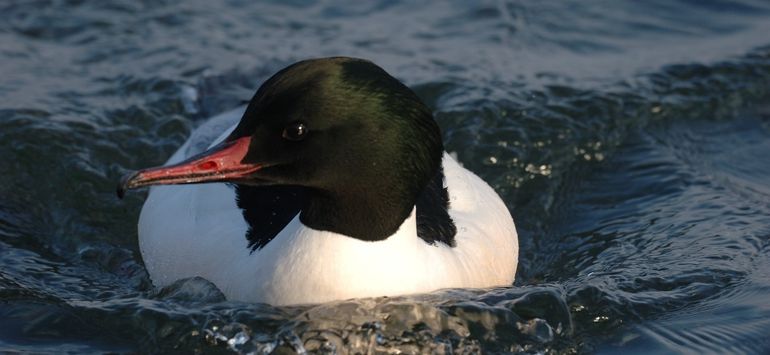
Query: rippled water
629	139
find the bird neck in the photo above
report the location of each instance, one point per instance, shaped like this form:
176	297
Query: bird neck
370	214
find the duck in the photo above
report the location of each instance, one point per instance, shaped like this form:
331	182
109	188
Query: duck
332	183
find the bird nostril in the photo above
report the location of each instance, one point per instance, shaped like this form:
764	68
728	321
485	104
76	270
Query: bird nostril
208	165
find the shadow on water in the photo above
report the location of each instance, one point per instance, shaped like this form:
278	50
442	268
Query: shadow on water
638	180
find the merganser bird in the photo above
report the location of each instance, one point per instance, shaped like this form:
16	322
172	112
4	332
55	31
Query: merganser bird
333	185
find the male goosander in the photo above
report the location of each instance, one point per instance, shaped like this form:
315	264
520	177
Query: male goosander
333	185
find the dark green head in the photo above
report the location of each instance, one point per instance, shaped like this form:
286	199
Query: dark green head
357	123
362	144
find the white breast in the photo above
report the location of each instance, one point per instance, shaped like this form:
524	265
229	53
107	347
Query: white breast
197	230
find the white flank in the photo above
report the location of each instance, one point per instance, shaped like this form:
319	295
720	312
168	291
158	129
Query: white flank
197	230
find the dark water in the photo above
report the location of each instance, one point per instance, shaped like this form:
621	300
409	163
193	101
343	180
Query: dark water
629	139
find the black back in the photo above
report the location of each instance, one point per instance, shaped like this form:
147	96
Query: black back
434	225
269	209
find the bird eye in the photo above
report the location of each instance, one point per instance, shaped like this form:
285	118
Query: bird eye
295	131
